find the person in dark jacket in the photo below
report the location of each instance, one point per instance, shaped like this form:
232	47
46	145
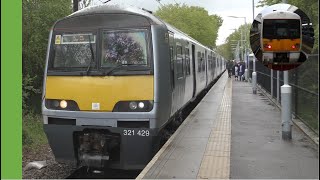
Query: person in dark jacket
229	67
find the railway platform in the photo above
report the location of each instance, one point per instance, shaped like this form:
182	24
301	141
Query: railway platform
234	134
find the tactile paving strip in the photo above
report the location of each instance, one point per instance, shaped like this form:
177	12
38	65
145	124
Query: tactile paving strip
216	161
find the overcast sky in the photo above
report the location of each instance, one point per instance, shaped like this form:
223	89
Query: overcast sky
223	8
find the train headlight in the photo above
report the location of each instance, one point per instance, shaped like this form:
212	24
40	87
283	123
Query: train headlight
63	104
133	106
57	104
141	105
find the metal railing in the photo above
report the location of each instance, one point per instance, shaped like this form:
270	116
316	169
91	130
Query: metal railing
305	93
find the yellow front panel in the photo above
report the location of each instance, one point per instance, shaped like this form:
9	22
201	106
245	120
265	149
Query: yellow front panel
106	90
281	44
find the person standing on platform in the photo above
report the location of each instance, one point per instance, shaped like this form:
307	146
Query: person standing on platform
240	71
236	72
229	67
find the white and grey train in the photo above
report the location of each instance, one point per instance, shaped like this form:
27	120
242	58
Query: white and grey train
114	78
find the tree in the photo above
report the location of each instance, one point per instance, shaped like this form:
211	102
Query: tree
192	20
38	16
226	49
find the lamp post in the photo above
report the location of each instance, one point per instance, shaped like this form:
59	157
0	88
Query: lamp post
254	74
286	114
245	47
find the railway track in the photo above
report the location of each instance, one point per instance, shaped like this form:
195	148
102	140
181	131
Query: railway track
85	173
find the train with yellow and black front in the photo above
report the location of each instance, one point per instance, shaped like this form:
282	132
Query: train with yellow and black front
281	37
114	78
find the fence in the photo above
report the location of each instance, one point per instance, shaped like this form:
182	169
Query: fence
304	82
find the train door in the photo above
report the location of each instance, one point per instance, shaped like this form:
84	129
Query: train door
206	64
194	70
172	72
180	77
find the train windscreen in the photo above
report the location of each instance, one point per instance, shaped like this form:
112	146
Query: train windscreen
281	29
124	47
73	50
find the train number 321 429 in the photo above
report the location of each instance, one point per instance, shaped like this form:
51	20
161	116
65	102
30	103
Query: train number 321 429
131	132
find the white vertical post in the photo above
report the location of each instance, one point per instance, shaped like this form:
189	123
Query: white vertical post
286	108
254	77
271	80
278	86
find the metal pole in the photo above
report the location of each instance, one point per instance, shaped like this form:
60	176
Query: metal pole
286	105
278	85
254	74
252	10
286	108
271	80
241	45
254	77
246	71
75	5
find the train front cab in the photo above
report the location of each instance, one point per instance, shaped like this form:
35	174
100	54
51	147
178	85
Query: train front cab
281	37
95	111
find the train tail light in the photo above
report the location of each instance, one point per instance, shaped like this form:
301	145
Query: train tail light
268	46
296	46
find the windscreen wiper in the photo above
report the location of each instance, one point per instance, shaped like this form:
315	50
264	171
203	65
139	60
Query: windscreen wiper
119	66
92	56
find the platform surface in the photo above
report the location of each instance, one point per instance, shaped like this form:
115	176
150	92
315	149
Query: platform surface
233	134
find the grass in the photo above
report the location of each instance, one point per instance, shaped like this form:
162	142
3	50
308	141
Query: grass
32	131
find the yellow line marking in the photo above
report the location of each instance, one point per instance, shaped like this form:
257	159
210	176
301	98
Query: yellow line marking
216	160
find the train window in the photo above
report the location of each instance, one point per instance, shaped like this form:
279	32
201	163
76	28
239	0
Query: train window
179	51
203	63
171	53
73	50
281	29
199	61
187	53
124	47
210	62
179	61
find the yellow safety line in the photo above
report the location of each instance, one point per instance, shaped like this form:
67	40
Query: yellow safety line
216	161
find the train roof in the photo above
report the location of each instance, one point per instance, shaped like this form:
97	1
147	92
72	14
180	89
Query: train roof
281	15
117	9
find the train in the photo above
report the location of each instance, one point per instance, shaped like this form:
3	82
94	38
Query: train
281	38
114	78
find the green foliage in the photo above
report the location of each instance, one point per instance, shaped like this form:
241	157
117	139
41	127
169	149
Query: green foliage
28	90
226	49
192	20
38	16
32	131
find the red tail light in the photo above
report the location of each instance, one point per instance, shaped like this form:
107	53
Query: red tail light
293	46
269	46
